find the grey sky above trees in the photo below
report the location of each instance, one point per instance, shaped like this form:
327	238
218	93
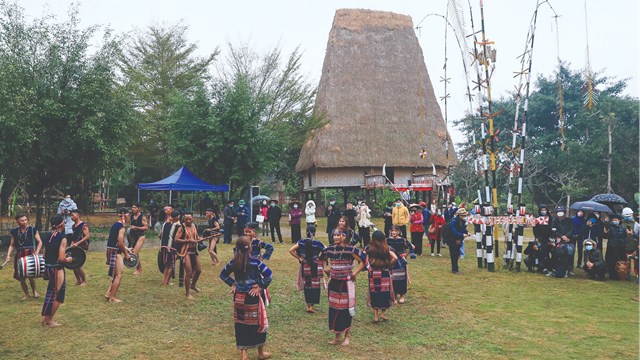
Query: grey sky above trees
613	32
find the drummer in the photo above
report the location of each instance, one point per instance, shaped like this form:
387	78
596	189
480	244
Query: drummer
54	257
116	254
137	229
187	239
26	240
79	238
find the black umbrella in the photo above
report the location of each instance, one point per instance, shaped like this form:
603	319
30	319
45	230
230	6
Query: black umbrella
609	199
590	206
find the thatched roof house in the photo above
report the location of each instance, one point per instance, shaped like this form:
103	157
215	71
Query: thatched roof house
377	96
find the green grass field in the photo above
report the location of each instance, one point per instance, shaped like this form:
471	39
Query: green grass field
478	314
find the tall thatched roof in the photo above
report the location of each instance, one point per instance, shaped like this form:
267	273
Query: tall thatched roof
377	96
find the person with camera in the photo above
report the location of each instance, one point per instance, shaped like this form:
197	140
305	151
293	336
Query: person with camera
594	264
534	256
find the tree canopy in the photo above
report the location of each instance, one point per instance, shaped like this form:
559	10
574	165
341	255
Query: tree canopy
578	169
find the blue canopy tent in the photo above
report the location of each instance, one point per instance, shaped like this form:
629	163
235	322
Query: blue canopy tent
181	180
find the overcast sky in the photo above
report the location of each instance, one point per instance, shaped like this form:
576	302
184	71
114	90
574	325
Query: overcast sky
613	28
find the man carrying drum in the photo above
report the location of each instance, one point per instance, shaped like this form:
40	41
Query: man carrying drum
79	238
137	233
26	240
187	239
54	257
116	254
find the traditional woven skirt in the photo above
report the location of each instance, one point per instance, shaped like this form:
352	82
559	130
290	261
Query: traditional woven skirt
111	260
381	293
53	294
399	277
20	253
250	318
340	315
309	283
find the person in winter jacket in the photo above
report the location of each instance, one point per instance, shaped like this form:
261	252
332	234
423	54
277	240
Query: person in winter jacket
295	218
332	212
534	256
416	228
400	217
350	213
564	250
435	230
542	233
616	244
594	264
310	213
454	236
363	221
273	216
578	230
388	218
264	207
594	230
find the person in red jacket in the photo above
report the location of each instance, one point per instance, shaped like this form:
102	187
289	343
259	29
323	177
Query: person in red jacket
435	230
416	228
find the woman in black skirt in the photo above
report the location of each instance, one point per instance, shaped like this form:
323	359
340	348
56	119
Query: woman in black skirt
250	277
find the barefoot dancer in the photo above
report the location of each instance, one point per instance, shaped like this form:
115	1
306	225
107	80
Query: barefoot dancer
212	226
250	277
167	246
26	240
399	273
116	253
307	251
54	257
79	238
187	237
137	233
342	297
379	259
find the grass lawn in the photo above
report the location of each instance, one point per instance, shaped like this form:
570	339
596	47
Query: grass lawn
478	314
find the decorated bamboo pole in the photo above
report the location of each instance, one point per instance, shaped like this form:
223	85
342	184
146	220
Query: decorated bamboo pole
493	205
523	139
477	228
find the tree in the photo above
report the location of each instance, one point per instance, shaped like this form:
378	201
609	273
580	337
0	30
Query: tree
250	125
580	169
157	64
64	118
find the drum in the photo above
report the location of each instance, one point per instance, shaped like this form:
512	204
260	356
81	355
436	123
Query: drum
132	262
78	255
30	266
161	264
622	269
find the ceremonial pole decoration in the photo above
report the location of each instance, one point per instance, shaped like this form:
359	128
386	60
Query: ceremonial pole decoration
478	228
489	55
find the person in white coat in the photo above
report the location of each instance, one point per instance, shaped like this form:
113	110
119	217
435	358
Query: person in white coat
363	218
310	212
64	210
